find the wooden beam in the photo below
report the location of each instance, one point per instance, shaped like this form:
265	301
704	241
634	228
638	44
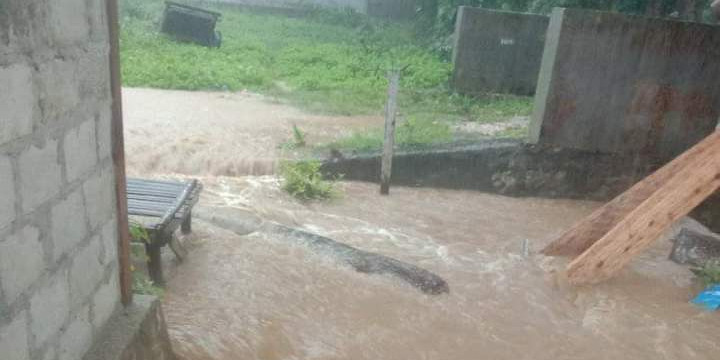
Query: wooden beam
675	198
585	233
118	154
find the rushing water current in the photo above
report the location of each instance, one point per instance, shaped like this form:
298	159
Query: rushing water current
257	297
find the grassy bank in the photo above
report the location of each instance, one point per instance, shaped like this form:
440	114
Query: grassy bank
327	62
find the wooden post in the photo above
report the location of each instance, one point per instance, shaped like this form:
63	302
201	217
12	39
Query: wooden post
389	143
118	154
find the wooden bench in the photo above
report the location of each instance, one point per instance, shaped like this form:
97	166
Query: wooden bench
160	207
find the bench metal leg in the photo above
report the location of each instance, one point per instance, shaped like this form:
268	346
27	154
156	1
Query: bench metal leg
154	264
186	226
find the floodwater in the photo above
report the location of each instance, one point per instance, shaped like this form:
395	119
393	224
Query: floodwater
255	297
260	297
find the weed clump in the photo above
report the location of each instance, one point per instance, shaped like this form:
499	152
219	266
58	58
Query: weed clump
709	273
305	181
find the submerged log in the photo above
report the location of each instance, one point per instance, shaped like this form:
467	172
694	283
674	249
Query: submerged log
244	222
364	261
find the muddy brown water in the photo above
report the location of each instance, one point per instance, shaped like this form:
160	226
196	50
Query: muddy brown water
258	297
255	297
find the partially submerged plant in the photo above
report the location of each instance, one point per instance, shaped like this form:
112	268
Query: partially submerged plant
709	273
305	181
139	233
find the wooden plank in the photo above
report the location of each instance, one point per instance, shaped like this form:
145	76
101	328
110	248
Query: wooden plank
582	235
685	189
389	142
118	154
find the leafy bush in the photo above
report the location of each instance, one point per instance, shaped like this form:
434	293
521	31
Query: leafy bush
709	273
304	181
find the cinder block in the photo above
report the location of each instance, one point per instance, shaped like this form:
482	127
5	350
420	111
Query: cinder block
93	78
99	193
16	116
108	234
7	189
77	338
14	339
105	301
60	91
21	262
86	272
104	133
69	225
68	21
80	150
40	175
49	308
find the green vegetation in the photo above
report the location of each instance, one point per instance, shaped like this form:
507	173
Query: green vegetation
328	62
709	273
141	283
410	133
304	180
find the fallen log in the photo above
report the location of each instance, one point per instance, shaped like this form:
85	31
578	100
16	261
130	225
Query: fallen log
244	222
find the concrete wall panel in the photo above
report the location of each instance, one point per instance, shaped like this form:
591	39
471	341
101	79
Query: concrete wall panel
618	83
497	51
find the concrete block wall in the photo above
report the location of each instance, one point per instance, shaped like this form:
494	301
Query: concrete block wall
497	51
618	83
58	242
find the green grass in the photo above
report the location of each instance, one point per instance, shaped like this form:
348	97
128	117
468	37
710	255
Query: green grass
326	62
410	133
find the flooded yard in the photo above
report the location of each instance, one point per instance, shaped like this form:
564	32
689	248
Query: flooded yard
257	296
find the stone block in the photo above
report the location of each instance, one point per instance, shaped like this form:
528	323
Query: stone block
7	189
21	262
68	21
14	339
80	150
16	117
105	301
77	338
86	272
108	235
99	193
69	226
626	84
104	132
49	308
40	175
497	51
60	91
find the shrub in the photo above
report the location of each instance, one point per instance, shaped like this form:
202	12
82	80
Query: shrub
709	273
304	181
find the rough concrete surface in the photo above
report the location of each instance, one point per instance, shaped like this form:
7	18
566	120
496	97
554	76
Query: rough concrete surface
497	51
135	332
57	207
617	83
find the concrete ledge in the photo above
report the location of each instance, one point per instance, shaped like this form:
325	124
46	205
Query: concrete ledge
137	332
507	167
